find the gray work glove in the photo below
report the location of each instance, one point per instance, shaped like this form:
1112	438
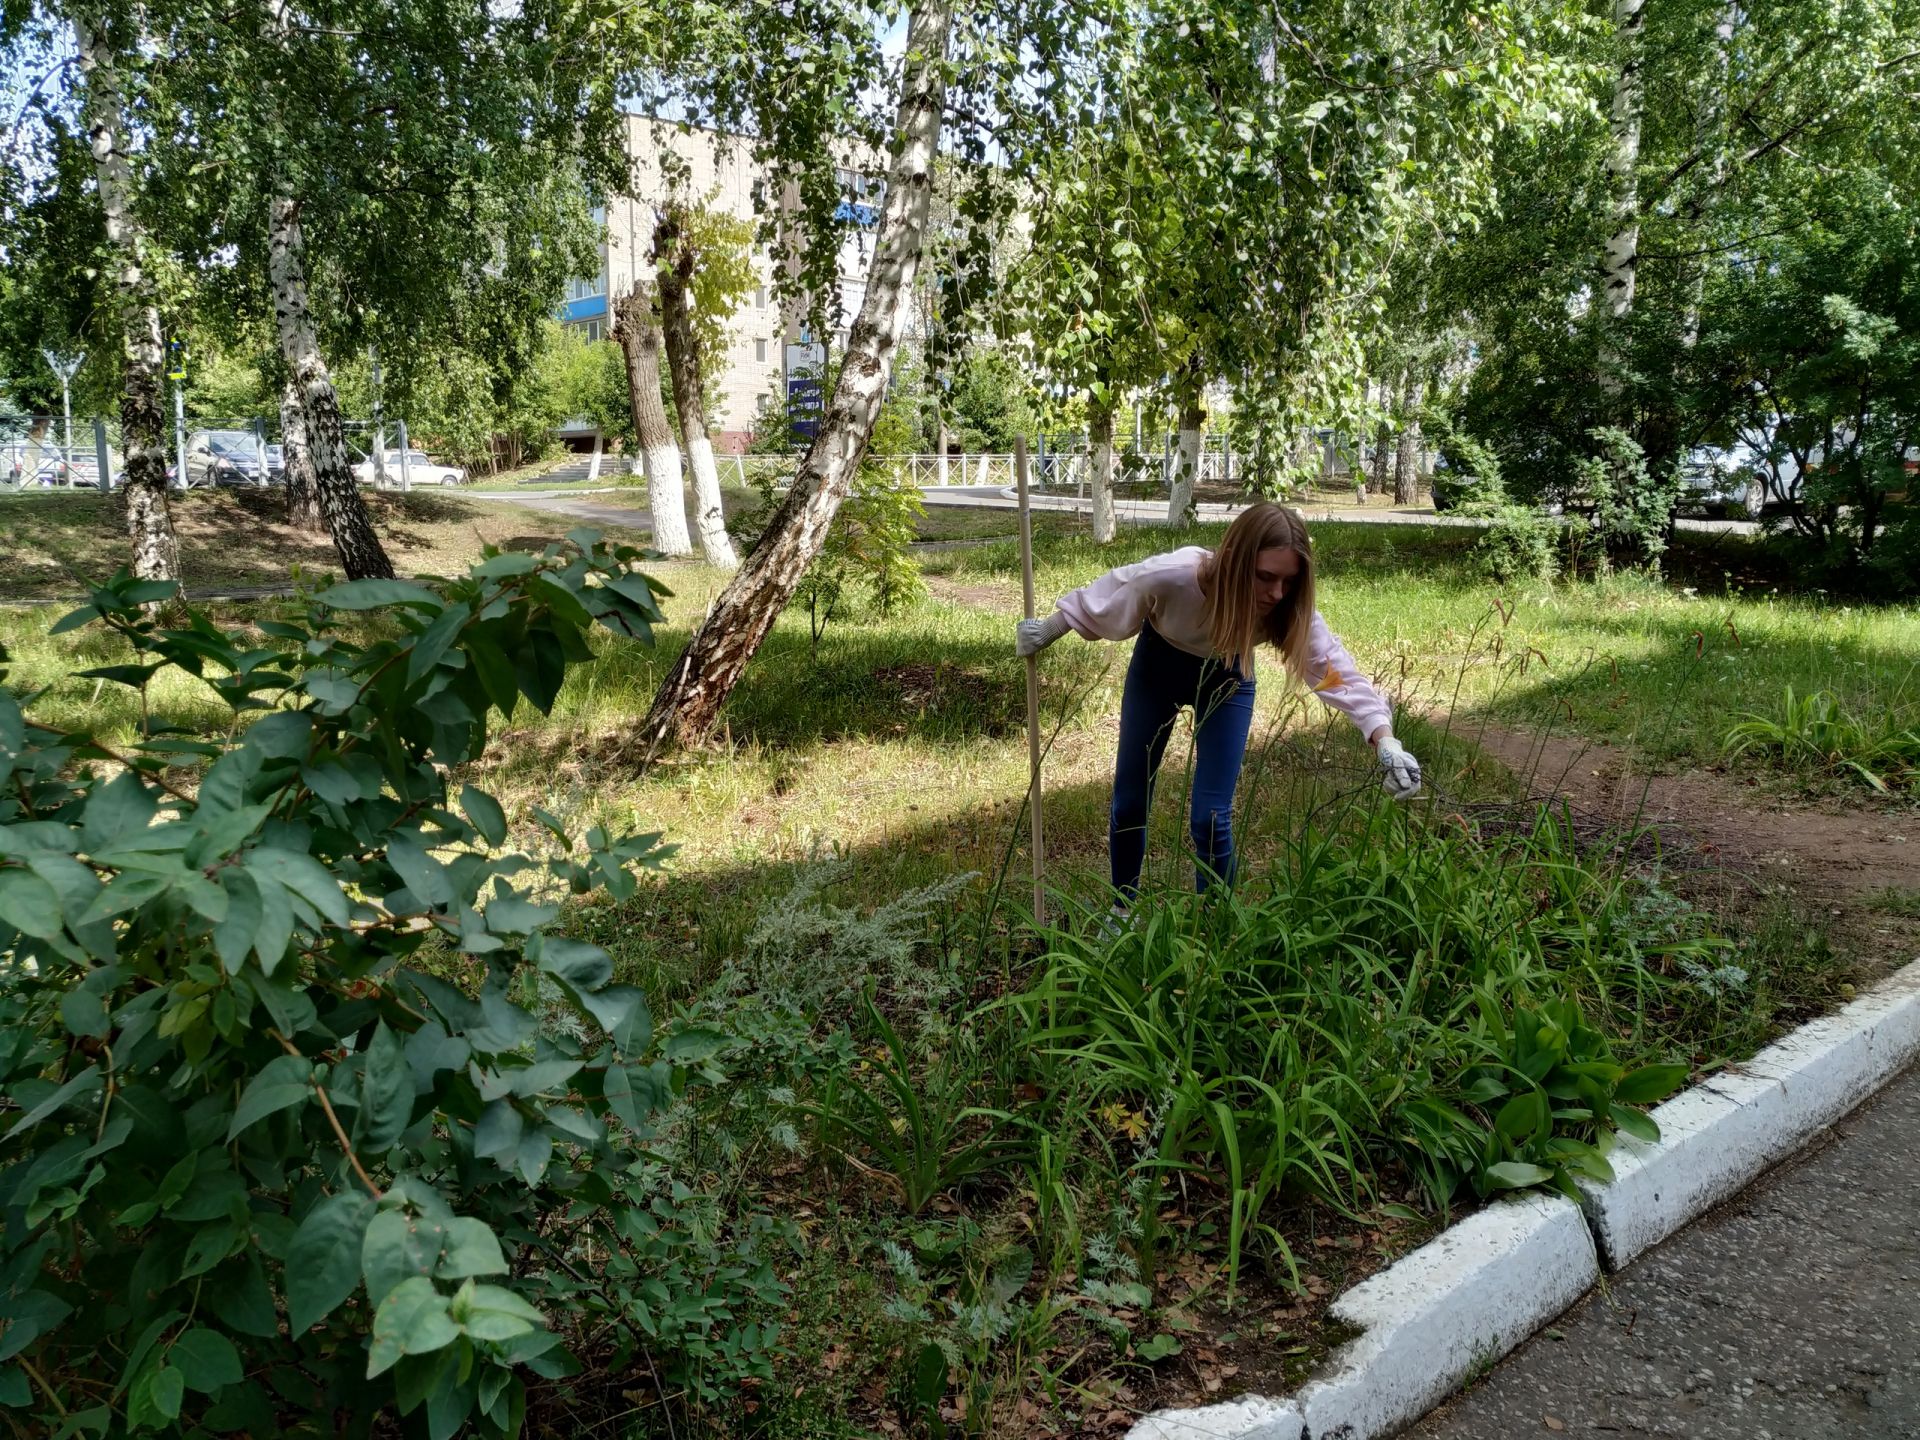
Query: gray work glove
1400	771
1030	637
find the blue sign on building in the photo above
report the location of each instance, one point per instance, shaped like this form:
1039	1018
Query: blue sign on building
804	405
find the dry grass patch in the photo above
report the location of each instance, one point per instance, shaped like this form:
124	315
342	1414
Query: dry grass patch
51	544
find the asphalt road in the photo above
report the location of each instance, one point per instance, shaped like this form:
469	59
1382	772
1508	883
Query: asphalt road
1792	1313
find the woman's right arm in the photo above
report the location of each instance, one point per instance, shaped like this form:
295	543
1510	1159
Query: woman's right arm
1114	607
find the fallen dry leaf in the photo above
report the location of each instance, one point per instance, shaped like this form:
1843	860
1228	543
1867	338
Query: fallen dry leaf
1555	1423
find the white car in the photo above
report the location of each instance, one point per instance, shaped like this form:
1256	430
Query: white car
420	470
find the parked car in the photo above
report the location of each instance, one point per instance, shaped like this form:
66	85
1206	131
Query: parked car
1710	492
1452	488
420	470
231	458
40	464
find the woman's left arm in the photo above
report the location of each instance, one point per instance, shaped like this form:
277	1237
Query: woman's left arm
1333	675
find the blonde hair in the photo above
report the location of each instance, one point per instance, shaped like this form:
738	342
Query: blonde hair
1236	622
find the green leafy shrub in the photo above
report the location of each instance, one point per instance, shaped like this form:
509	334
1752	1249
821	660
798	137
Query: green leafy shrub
1561	1097
1817	732
1632	507
287	1142
1520	542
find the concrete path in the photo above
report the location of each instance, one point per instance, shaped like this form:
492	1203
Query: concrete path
1792	1313
594	512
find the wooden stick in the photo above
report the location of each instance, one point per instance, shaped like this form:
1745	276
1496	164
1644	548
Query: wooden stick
1033	687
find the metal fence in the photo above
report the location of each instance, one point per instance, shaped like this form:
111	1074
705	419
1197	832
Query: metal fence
49	452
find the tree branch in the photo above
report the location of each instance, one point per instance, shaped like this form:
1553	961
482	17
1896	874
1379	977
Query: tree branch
339	1132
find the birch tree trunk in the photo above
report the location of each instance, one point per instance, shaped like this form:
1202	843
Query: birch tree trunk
697	686
361	554
687	369
1621	260
1406	461
1186	469
1382	440
639	333
303	492
1100	447
1710	134
156	551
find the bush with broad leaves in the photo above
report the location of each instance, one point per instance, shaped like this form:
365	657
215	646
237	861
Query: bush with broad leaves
290	1134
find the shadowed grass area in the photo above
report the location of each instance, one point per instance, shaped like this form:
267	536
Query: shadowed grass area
53	542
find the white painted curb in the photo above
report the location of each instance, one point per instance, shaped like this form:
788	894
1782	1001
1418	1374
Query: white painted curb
1249	1418
1479	1289
1720	1135
1455	1304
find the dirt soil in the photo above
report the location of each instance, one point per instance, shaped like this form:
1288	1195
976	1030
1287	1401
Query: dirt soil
1838	857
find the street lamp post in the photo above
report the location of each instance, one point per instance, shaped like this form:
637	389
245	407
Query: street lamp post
380	481
65	366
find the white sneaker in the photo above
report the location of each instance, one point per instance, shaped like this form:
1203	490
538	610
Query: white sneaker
1115	923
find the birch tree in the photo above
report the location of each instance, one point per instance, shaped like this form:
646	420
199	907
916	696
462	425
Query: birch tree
1383	442
377	173
1406	463
303	490
156	552
1745	123
705	271
1620	260
637	328
361	554
689	700
1082	292
1191	418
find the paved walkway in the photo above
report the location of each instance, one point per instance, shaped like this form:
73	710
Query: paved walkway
1792	1313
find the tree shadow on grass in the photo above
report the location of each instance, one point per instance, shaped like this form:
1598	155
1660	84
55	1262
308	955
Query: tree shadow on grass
685	925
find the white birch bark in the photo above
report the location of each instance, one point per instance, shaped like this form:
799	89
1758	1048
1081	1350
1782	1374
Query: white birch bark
1186	467
1621	259
1100	446
1406	460
689	701
303	494
638	325
156	551
686	366
1710	132
361	554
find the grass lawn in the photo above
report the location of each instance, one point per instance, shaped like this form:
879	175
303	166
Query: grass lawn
1214	1124
52	542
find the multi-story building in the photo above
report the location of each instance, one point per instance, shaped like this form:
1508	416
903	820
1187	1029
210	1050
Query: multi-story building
766	351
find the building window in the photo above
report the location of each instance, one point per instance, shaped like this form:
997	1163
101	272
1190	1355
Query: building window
760	351
587	289
592	327
760	298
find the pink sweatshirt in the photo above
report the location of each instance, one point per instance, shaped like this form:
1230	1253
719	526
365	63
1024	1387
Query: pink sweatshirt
1166	590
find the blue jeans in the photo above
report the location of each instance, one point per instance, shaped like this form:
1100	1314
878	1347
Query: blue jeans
1161	679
